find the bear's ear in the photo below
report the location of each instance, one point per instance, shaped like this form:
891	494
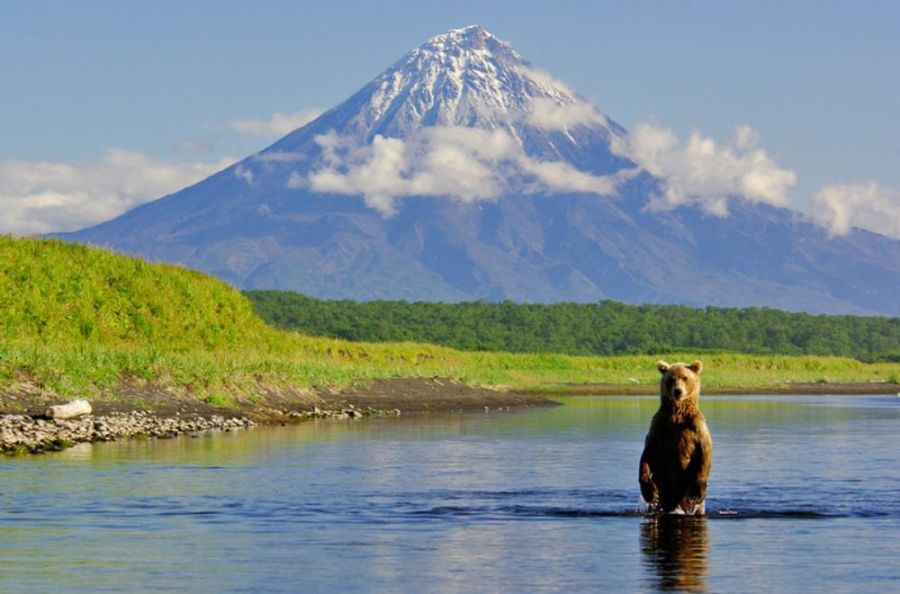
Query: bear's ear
662	366
696	367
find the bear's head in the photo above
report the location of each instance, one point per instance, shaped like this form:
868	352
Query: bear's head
680	382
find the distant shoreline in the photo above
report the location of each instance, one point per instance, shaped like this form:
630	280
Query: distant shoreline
788	389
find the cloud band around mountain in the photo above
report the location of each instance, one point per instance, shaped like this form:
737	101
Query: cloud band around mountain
473	164
463	163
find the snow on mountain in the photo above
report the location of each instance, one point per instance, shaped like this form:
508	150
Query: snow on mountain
465	77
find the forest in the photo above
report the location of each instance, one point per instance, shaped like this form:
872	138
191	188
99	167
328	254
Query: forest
604	328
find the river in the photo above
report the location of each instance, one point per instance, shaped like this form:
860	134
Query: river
804	496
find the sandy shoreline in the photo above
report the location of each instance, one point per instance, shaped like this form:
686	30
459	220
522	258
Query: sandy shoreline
148	412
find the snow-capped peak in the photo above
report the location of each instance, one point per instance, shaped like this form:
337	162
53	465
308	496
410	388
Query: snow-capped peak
474	37
465	77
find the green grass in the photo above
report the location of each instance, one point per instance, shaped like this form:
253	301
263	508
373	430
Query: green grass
56	292
83	321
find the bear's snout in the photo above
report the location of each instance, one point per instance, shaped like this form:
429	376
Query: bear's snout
677	392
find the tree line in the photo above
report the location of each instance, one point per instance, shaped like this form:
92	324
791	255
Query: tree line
603	328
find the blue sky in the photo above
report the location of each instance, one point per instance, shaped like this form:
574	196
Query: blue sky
96	84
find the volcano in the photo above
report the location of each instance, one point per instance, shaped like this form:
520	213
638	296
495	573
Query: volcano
463	172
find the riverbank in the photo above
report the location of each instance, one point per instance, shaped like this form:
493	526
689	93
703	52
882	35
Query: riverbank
149	412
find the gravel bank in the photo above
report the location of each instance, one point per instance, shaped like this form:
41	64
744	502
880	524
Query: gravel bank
20	434
26	428
24	434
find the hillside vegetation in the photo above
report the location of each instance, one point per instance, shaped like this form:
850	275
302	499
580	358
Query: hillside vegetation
83	321
63	293
606	328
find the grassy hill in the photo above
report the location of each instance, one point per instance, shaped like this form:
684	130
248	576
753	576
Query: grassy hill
64	293
84	321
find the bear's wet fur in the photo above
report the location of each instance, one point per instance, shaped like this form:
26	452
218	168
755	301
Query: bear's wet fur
677	453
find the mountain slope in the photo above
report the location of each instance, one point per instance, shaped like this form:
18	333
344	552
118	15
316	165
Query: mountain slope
463	172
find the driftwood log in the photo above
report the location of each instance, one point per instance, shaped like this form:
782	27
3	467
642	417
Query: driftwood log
70	410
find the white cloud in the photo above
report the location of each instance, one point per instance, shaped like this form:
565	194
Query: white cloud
278	157
546	81
746	138
552	115
558	176
463	163
705	173
42	196
278	125
244	174
194	145
839	207
296	181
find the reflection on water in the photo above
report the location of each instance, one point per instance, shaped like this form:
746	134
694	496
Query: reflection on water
676	548
538	500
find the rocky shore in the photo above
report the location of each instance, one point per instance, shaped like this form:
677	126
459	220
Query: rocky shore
27	425
26	434
21	434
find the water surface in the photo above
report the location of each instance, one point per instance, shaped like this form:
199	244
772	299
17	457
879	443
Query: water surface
804	497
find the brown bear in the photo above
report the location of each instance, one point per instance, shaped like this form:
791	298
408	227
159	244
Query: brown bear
678	450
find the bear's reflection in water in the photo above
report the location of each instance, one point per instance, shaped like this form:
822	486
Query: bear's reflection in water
676	549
